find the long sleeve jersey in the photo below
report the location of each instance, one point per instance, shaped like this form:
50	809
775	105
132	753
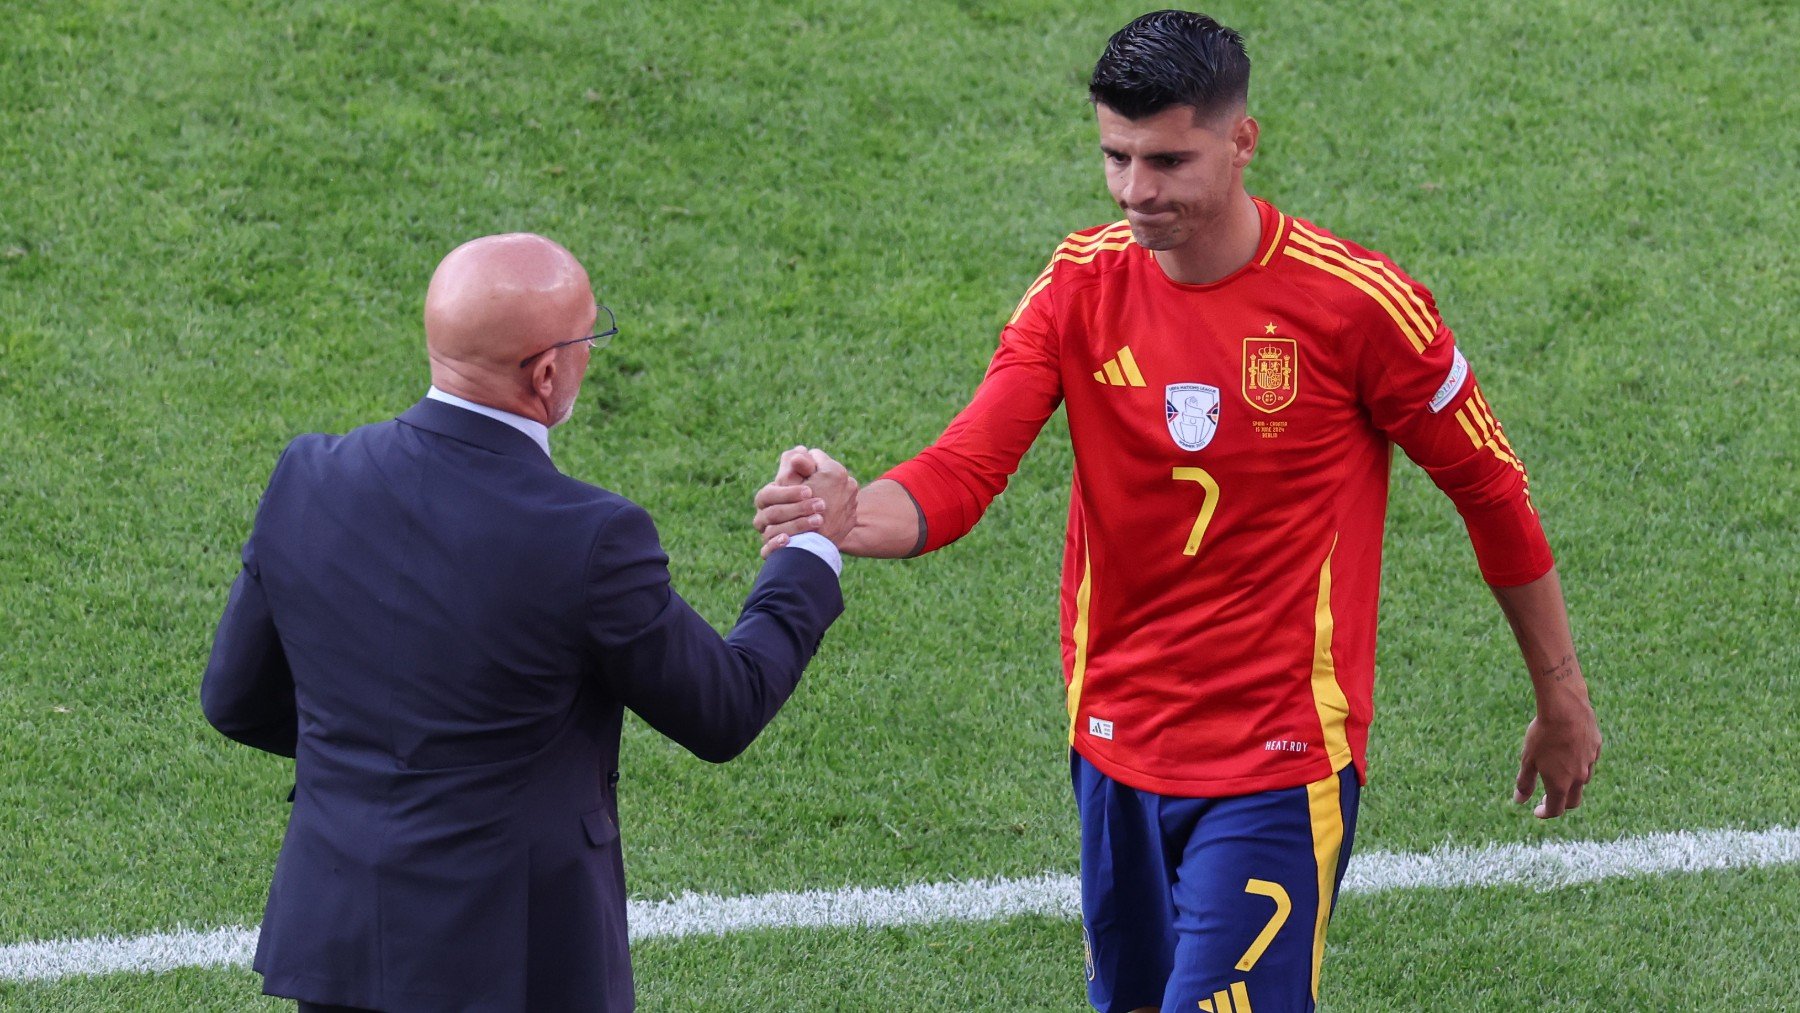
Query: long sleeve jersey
1232	446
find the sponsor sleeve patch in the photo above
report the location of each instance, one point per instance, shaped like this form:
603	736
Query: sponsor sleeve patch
1446	392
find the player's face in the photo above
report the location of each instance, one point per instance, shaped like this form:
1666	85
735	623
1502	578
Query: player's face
1174	174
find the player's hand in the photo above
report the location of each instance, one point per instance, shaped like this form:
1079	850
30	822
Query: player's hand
1561	749
834	484
787	506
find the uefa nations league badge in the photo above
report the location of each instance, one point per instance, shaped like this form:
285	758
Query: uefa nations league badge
1193	413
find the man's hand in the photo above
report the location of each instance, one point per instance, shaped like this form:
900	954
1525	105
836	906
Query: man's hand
831	482
888	524
1562	745
811	492
787	506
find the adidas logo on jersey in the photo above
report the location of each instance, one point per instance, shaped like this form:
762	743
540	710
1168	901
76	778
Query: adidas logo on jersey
1120	371
1235	1001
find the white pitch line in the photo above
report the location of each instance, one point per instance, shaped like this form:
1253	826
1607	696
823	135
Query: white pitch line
855	907
1536	867
161	951
1550	866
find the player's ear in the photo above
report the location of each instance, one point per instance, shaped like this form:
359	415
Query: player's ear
1243	138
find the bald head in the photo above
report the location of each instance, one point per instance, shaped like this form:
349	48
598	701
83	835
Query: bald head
500	299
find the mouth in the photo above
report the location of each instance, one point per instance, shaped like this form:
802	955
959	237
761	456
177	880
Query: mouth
1151	218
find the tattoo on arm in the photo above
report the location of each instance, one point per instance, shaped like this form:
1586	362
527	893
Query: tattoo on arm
1561	671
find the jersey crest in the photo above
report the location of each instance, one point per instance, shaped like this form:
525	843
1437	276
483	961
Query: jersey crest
1192	413
1271	373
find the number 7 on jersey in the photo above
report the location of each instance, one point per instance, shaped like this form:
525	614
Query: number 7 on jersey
1208	503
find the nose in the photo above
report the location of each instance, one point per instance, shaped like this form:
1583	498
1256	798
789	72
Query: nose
1138	188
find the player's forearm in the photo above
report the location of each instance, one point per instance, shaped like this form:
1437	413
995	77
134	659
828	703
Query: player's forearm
1540	623
888	524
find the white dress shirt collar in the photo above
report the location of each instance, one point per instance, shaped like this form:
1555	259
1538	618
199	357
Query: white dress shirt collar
539	433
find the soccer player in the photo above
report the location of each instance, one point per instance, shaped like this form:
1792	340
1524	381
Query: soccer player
1235	377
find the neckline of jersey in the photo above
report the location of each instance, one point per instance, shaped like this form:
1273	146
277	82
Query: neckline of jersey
1269	218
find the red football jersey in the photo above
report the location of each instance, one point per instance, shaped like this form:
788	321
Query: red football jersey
1231	467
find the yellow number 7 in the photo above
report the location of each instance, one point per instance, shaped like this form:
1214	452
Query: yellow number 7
1273	891
1207	505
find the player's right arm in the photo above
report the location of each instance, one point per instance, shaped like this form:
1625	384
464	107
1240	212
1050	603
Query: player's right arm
939	495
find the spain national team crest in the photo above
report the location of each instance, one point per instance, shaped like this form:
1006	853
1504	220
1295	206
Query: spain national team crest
1192	411
1271	373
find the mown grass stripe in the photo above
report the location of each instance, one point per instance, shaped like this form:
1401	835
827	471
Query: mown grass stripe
1537	867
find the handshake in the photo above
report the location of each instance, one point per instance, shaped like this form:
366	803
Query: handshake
811	493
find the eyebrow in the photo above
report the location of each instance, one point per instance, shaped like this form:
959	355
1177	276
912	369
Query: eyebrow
1105	150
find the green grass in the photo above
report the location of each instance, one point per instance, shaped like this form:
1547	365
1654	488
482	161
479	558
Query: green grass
216	222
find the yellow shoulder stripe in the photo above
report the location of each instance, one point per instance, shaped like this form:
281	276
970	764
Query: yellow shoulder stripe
1335	268
1083	258
1281	223
1403	293
1392	273
1076	249
1042	283
1083	249
1077	242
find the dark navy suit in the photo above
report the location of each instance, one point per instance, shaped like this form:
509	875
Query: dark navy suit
443	630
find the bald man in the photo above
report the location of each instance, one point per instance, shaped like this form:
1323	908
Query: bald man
443	631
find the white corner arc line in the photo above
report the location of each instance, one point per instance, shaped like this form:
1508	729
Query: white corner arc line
1532	866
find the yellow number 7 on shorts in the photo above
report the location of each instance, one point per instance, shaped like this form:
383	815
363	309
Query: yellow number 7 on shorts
1273	891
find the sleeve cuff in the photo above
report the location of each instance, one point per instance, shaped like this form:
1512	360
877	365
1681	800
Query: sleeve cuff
819	545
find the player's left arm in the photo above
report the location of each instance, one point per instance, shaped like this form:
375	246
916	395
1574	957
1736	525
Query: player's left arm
1562	743
1420	390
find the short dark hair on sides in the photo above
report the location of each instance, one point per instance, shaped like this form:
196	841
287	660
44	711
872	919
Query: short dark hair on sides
1169	58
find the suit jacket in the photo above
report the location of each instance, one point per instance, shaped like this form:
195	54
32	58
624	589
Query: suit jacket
442	630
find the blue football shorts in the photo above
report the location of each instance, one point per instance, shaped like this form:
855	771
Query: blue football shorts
1210	904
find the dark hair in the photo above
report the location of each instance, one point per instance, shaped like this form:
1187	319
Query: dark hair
1170	58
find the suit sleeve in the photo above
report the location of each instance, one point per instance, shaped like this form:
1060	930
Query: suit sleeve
711	694
956	478
247	692
1419	389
